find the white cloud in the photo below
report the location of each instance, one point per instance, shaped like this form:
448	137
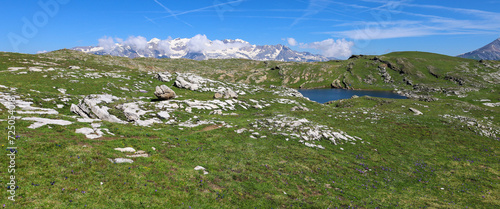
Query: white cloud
200	43
386	33
292	41
404	19
164	46
107	43
137	43
41	52
339	48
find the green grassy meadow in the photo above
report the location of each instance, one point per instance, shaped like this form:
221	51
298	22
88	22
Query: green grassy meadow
441	159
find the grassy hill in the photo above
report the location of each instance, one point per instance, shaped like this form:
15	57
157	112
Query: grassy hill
254	155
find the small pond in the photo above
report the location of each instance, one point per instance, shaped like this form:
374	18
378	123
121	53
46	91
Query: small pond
326	95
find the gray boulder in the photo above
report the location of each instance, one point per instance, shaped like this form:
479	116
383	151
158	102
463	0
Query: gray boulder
163	77
180	82
131	116
226	94
89	108
164	93
189	81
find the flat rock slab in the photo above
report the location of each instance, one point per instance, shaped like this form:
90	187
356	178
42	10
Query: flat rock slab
26	106
126	149
492	104
90	132
138	155
45	121
121	160
94	132
197	168
417	112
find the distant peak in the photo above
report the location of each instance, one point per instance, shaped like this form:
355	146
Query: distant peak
200	48
154	40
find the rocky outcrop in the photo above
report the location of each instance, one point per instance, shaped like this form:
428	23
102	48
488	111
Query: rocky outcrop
164	93
385	75
163	77
302	129
226	94
336	84
89	108
191	82
299	108
415	111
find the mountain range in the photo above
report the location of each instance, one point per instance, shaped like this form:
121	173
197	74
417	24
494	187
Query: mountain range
196	49
488	52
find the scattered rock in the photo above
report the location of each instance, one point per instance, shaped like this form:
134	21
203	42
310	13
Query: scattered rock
257	106
417	112
337	84
126	149
74	68
35	69
492	104
16	68
226	94
164	93
313	145
120	160
140	153
303	129
94	132
25	106
44	121
197	168
163	77
148	122
163	115
296	108
88	107
63	91
131	116
191	82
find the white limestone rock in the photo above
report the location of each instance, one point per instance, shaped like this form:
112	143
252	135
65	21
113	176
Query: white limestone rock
39	122
126	149
120	160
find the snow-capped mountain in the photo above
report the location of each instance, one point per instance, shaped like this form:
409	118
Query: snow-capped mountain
199	48
488	52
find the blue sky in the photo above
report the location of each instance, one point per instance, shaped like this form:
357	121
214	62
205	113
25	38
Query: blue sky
329	27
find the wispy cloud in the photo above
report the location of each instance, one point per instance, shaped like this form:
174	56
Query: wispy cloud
314	7
421	23
172	14
339	48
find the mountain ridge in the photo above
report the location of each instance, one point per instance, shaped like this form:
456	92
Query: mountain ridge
490	51
204	49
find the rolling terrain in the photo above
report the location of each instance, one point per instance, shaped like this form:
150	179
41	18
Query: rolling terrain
90	132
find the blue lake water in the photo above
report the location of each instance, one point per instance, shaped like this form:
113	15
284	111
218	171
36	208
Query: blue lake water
326	95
